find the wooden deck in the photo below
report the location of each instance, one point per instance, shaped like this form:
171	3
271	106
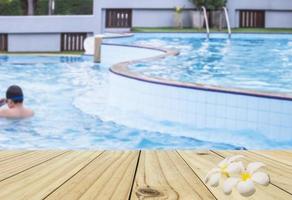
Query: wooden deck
131	174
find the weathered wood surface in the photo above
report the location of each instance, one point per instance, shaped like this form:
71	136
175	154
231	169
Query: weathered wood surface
131	174
164	175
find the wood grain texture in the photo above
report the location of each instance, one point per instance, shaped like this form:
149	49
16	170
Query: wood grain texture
203	161
165	175
17	164
280	174
110	176
124	175
277	155
5	155
41	180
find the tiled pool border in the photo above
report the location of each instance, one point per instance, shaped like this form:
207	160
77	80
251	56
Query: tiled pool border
122	69
198	105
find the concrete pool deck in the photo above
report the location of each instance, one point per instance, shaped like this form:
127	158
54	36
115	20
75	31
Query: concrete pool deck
131	174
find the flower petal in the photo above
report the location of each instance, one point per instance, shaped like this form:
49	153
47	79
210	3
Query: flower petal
246	188
252	167
212	171
229	184
261	178
234	158
215	179
235	168
223	162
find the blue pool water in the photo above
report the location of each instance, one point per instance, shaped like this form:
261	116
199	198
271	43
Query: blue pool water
67	94
254	62
56	88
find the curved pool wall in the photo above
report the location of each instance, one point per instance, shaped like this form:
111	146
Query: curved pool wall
123	97
199	106
84	88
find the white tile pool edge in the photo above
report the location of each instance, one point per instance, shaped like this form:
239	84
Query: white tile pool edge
201	106
203	109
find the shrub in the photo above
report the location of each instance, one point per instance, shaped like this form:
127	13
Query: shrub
42	7
209	4
62	7
73	7
215	4
10	7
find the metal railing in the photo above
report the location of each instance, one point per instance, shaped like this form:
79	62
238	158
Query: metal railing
206	21
227	21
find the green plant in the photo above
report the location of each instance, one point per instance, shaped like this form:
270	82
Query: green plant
179	9
198	3
215	4
42	7
74	7
209	4
65	7
10	7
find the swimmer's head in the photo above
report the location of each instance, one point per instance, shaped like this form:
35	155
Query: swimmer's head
14	95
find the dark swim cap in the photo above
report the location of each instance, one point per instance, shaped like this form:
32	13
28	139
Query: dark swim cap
15	94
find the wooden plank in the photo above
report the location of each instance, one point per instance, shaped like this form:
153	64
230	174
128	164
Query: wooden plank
15	165
40	181
246	19
203	161
277	155
240	18
5	155
165	175
280	174
110	176
3	42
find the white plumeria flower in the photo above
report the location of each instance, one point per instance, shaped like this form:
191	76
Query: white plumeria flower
225	168
245	182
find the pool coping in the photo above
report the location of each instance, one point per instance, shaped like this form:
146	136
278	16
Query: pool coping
122	69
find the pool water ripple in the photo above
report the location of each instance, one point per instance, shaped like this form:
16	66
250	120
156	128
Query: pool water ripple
68	95
257	63
66	98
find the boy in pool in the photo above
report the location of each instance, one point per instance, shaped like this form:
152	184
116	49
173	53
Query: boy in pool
14	100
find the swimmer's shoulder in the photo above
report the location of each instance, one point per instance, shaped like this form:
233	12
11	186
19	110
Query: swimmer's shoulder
30	113
5	113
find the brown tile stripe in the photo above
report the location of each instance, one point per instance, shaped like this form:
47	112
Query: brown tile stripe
122	69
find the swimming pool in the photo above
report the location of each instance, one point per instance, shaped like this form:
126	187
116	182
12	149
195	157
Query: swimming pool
65	92
71	96
248	61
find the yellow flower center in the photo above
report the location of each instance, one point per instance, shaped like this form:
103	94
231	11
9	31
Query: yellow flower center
245	176
224	170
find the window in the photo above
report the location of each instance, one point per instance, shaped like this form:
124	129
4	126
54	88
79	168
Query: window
72	41
252	18
118	18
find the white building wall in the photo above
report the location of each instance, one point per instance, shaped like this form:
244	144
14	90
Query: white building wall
145	4
48	24
278	12
34	42
149	18
276	19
